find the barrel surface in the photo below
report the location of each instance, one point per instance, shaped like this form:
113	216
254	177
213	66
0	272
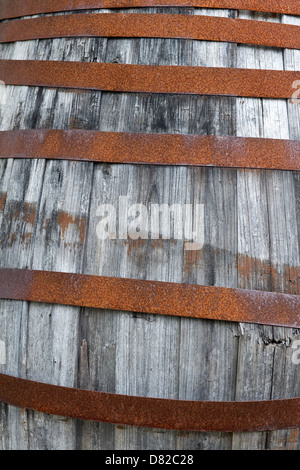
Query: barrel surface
49	214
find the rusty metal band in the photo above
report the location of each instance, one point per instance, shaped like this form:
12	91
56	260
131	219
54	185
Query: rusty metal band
150	78
18	8
154	149
150	412
153	26
162	298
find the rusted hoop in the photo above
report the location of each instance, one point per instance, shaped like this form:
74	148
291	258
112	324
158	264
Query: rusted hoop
150	78
162	298
18	8
154	149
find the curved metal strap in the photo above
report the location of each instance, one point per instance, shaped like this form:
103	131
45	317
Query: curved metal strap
156	149
17	8
150	412
151	297
153	26
150	78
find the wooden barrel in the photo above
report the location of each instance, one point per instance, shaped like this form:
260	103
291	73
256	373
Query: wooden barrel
49	214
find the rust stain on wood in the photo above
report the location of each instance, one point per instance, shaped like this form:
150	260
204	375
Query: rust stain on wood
288	441
282	278
137	248
20	217
75	123
16	214
26	210
293	438
64	220
192	259
26	238
12	239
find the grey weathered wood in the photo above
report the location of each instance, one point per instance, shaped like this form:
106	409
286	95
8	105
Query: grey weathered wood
48	216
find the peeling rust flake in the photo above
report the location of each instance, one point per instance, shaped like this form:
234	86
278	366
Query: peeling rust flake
17	8
150	412
154	26
162	298
172	79
159	149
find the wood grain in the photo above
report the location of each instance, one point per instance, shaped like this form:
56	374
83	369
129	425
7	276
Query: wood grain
48	217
